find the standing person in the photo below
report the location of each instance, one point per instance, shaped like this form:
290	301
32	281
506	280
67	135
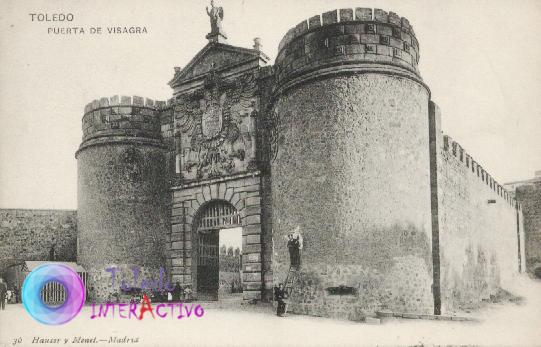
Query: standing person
291	249
90	295
3	291
188	293
52	252
177	291
294	247
280	296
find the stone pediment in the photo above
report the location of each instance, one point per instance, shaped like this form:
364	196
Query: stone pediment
216	57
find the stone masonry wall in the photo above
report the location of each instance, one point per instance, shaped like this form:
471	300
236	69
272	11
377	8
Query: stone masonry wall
352	171
347	36
29	235
264	155
478	236
122	209
122	193
168	138
121	116
244	193
530	198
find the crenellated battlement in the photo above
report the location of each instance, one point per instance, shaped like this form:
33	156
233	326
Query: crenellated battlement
346	37
457	151
122	116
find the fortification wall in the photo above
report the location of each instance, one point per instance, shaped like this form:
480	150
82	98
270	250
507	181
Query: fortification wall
530	197
264	155
351	168
170	141
478	235
29	235
122	192
121	116
350	38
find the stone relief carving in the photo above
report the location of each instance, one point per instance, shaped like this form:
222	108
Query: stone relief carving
216	128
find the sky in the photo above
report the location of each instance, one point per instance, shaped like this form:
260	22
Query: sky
231	237
481	60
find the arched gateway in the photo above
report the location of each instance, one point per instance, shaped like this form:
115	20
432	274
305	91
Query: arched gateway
199	211
211	218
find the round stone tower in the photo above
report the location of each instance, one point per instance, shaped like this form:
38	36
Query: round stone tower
122	195
352	165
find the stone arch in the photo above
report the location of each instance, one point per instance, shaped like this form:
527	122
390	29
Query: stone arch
216	192
217	209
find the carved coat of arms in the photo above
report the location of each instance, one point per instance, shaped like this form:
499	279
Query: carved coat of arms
212	106
212	123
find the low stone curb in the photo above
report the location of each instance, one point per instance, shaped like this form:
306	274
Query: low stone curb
387	314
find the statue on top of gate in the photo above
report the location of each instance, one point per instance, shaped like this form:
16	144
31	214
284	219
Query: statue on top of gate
216	15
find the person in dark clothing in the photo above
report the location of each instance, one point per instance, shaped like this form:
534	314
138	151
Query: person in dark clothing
52	252
90	294
3	291
293	246
177	292
280	296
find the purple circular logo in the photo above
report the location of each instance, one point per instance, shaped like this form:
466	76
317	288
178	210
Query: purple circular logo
38	278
